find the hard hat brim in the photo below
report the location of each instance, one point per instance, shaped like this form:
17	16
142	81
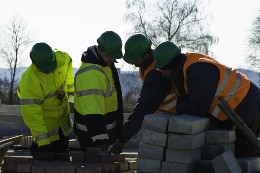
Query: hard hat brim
116	56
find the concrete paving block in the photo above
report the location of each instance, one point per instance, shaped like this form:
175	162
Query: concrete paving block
24	167
249	164
68	168
114	167
77	155
184	141
226	163
188	124
148	151
148	165
9	167
169	167
154	138
10	109
220	136
18	159
52	169
209	152
157	122
203	166
183	156
38	168
89	169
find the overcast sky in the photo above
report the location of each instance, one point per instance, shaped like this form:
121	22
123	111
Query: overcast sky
72	26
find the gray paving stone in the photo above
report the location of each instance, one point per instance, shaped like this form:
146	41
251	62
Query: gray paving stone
188	124
249	164
157	122
220	136
148	151
148	165
154	138
209	152
183	156
184	141
169	167
226	163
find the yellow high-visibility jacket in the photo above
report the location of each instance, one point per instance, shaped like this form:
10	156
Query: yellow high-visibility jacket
96	94
41	109
95	91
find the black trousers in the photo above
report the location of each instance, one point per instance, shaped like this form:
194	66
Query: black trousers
84	139
243	146
59	146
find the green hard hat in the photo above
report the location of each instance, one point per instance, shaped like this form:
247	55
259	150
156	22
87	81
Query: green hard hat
43	57
111	43
164	53
135	47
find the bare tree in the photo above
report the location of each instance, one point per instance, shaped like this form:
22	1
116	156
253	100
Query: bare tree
253	59
16	39
178	21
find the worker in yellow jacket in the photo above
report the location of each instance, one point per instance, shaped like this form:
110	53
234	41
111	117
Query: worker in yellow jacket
43	90
98	107
201	81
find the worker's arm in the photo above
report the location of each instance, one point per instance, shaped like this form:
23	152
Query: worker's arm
31	100
155	89
70	78
202	82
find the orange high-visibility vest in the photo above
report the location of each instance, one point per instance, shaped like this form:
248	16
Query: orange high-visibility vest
169	103
233	85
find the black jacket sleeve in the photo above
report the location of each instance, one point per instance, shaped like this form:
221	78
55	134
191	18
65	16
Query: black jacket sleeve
202	82
155	88
120	114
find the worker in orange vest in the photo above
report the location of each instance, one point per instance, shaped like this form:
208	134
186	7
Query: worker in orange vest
201	80
158	94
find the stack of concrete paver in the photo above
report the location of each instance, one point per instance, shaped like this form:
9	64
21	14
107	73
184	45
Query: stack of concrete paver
93	161
185	144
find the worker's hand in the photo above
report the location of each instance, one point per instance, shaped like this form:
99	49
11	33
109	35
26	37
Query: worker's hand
116	148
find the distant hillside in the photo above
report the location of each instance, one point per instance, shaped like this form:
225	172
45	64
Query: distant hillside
126	78
131	81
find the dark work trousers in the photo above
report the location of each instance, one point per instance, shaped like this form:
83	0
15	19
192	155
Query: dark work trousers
243	146
84	139
59	146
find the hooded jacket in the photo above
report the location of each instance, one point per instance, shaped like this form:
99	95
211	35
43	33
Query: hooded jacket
98	96
154	91
41	109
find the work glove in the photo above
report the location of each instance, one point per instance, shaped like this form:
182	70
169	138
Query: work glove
116	148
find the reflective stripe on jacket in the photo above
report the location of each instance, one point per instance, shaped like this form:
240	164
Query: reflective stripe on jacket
95	94
232	84
41	109
169	103
95	91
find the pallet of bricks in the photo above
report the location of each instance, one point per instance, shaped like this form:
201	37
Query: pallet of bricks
187	144
93	161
